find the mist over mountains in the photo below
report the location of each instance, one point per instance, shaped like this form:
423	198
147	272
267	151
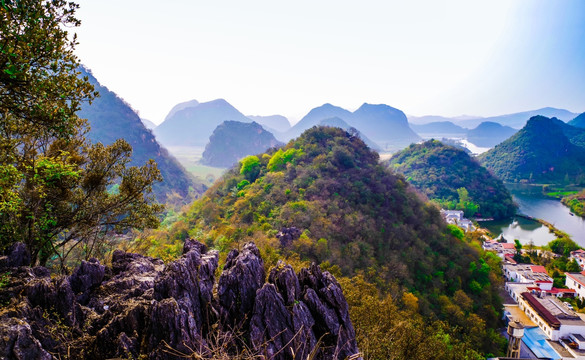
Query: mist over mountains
111	118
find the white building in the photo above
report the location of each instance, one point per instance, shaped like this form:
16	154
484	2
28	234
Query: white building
554	317
528	274
579	257
576	281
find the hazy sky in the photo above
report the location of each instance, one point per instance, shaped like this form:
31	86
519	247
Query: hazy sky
285	57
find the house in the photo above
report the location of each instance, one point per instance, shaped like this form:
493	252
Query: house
502	249
452	216
576	281
455	217
555	318
579	257
528	274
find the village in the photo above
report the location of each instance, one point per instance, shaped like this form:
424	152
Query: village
541	323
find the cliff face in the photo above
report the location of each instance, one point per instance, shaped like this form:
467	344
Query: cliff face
141	307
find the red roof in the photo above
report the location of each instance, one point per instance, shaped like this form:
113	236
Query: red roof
508	246
538	269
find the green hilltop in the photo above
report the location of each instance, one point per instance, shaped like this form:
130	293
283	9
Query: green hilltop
439	171
354	217
544	151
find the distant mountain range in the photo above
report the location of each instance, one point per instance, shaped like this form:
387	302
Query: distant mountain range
514	120
192	125
518	120
438	129
489	134
579	121
148	124
272	123
337	122
233	140
545	150
382	124
111	118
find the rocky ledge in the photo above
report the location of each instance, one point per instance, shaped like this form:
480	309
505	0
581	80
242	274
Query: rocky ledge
141	308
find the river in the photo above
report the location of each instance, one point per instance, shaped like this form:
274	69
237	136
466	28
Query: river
531	202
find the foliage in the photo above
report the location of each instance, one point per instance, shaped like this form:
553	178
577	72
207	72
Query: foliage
232	140
355	216
532	156
576	203
54	194
452	178
250	167
111	118
563	246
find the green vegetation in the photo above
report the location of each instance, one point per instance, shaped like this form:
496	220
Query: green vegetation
357	219
544	151
54	184
576	202
111	118
453	179
232	140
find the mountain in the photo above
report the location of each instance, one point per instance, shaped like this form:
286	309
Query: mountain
518	120
489	134
273	122
337	122
438	129
233	140
180	106
383	124
439	170
112	118
327	199
314	117
193	125
148	124
539	152
421	120
579	121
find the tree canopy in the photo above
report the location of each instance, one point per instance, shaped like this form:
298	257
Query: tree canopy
57	190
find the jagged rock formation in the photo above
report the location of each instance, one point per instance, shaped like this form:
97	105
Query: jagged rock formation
141	307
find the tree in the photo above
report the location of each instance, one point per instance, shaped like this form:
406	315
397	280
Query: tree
250	167
57	190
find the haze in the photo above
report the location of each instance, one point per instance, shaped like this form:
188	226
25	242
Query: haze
270	57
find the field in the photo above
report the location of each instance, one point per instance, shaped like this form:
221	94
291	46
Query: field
189	157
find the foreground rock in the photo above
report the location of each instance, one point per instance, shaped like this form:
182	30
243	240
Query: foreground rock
140	307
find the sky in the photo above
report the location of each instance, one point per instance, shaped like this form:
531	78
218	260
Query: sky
266	57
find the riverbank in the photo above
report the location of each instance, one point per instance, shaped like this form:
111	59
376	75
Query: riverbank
558	233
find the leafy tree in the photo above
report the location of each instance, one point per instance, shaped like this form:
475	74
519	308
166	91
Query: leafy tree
250	167
573	266
57	190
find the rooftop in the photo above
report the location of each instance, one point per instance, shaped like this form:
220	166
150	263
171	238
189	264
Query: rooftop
578	277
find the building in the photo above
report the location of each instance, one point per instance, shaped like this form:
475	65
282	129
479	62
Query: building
528	274
579	257
555	318
576	281
455	217
503	249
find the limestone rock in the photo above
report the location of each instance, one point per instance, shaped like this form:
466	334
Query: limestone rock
243	274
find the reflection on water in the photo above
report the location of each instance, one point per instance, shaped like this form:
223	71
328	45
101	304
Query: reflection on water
525	230
531	202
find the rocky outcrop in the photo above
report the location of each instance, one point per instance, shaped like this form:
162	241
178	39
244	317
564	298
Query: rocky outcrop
140	307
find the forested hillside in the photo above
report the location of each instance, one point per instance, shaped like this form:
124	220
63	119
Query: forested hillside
232	140
111	118
445	174
545	150
334	204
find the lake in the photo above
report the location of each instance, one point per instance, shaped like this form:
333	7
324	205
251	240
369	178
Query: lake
531	202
